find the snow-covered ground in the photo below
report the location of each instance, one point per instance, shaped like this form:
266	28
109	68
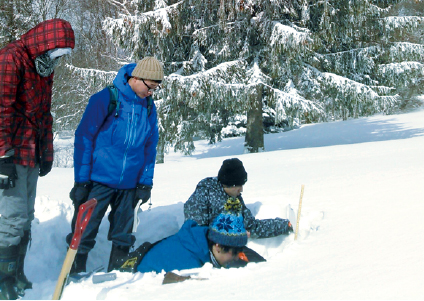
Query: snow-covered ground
361	227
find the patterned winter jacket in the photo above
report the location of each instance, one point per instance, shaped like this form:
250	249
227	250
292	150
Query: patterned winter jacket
25	96
208	201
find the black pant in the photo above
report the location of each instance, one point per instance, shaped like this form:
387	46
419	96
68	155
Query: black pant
121	217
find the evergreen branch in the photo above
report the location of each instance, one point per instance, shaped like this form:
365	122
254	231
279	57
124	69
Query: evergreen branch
89	72
122	6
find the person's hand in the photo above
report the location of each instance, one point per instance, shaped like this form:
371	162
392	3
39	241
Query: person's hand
289	227
79	192
45	168
143	193
171	277
8	174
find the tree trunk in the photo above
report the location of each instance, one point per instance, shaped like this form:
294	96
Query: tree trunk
254	140
160	152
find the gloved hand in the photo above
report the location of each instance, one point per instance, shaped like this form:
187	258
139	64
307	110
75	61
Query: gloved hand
143	192
171	277
45	168
289	227
8	173
79	193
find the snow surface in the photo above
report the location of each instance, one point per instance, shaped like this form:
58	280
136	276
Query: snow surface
361	227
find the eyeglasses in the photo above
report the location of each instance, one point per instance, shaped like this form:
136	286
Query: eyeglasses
150	89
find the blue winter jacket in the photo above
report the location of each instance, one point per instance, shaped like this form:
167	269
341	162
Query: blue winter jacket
187	249
117	151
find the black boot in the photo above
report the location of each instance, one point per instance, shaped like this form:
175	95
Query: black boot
116	255
79	264
21	280
130	262
8	259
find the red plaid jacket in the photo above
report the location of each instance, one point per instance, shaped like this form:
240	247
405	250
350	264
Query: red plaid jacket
25	96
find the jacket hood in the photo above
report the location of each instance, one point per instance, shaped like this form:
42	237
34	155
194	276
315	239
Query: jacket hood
211	183
193	238
48	35
121	81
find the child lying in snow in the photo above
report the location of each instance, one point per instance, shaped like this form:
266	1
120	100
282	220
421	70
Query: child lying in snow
192	246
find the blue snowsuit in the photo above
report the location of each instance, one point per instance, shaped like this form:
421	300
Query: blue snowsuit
187	249
115	153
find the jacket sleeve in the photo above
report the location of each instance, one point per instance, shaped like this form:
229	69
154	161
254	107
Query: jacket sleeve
197	206
46	143
85	135
265	227
150	151
9	81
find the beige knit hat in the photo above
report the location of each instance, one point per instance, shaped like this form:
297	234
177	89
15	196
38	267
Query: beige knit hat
148	68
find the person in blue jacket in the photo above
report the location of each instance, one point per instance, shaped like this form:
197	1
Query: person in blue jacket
114	157
193	245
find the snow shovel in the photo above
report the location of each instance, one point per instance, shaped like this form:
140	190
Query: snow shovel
87	209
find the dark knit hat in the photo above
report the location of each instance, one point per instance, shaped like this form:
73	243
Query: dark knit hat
232	173
228	228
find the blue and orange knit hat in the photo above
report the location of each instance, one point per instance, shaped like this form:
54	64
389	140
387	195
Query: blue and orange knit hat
227	228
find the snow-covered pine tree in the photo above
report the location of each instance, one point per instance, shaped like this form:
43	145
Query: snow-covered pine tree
402	60
223	59
366	62
18	16
93	64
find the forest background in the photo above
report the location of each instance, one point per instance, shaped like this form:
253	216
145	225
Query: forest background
236	67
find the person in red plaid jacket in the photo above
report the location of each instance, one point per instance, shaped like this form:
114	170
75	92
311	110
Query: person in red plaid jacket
26	139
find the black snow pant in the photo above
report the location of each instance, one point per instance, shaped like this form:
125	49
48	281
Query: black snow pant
121	217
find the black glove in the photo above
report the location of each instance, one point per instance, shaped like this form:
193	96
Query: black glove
8	173
45	168
143	193
289	228
79	193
